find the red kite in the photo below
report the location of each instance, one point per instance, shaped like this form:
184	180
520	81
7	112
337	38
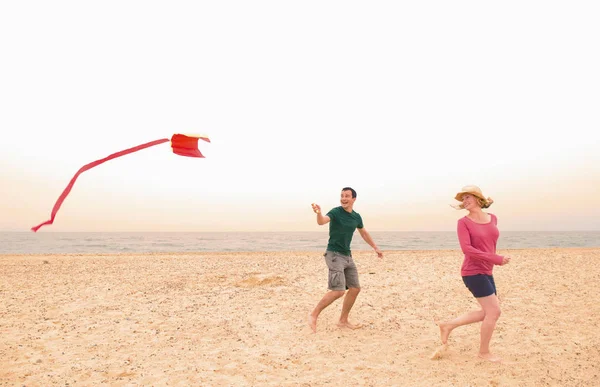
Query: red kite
182	145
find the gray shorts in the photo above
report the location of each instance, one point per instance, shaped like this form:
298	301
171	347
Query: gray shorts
342	271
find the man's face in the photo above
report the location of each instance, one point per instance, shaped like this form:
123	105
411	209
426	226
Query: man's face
347	200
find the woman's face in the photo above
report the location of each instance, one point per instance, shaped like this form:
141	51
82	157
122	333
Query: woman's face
470	202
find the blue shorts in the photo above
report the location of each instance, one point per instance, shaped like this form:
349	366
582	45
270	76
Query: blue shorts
480	285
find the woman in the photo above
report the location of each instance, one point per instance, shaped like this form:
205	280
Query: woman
478	234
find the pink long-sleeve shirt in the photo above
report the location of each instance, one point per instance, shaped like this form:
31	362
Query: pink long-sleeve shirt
478	243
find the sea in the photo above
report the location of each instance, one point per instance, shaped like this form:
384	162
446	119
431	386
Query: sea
173	242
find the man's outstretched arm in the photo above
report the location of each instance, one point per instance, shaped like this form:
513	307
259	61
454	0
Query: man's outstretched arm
367	237
321	219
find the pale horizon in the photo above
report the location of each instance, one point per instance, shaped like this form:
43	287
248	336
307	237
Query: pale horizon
406	103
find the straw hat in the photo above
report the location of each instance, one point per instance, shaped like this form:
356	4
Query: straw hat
475	191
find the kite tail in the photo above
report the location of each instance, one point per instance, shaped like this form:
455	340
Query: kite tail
91	165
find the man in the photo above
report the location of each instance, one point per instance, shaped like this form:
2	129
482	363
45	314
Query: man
343	275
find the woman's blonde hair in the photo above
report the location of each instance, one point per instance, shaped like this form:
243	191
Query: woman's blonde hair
475	191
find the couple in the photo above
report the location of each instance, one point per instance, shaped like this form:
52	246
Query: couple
477	235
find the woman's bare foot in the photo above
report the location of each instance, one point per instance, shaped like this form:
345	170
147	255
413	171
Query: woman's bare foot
489	357
312	322
445	330
348	325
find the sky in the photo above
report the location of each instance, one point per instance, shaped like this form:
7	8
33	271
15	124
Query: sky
406	102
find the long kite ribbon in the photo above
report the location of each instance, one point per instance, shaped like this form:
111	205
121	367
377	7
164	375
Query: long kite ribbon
182	145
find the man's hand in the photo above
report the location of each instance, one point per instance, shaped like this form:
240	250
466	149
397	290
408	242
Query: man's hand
316	208
505	260
379	252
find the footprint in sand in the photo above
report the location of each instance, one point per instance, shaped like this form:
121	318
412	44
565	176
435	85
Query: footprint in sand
265	280
439	352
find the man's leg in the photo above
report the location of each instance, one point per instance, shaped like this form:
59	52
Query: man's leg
336	280
353	284
327	299
347	306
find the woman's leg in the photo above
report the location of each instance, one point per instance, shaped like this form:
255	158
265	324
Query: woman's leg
491	309
468	318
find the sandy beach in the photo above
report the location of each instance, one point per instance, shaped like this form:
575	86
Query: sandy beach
239	319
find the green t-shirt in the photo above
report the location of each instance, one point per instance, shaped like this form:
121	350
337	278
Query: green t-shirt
341	229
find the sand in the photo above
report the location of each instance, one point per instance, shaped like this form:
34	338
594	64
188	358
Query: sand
239	319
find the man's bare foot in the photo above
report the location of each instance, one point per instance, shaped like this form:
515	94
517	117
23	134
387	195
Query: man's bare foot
312	322
348	325
445	330
489	357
